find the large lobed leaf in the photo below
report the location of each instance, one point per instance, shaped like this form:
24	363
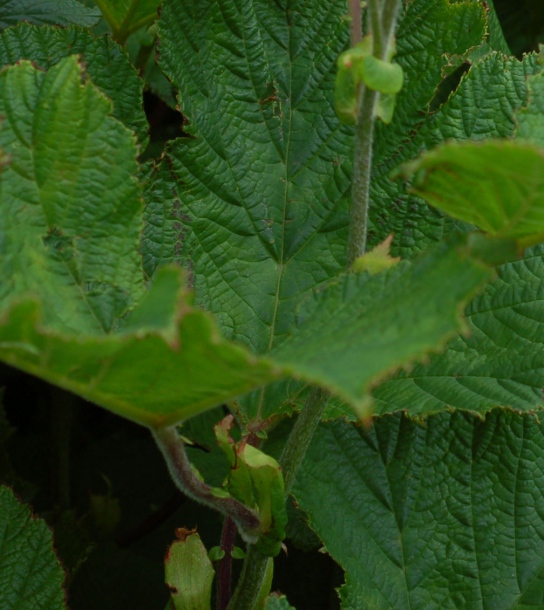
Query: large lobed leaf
266	175
266	167
442	515
31	576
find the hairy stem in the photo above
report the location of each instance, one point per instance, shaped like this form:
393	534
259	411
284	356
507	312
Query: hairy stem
183	475
389	23
362	171
382	19
356	21
224	572
376	26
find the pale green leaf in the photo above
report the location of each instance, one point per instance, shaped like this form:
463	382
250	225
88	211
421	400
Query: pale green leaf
105	62
41	12
71	208
31	577
189	573
438	516
167	365
367	325
496	185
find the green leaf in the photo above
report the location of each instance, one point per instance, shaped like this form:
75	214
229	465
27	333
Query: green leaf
127	16
483	106
441	515
31	577
530	121
499	363
267	171
277	602
40	12
168	365
365	326
105	62
189	573
255	259
164	231
497	185
71	209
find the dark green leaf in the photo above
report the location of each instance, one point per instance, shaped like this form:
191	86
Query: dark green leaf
444	515
499	363
31	576
40	12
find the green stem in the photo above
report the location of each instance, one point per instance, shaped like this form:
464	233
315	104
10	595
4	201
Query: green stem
389	24
124	30
254	583
256	565
362	171
376	26
382	18
301	435
183	475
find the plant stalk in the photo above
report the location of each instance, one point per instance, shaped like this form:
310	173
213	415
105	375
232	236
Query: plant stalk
256	565
382	19
254	582
356	25
183	475
362	172
224	571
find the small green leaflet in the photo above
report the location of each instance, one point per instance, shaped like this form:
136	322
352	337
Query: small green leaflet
358	65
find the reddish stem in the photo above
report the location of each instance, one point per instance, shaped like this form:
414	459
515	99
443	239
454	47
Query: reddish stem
224	572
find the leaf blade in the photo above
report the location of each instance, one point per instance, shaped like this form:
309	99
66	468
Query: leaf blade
30	573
